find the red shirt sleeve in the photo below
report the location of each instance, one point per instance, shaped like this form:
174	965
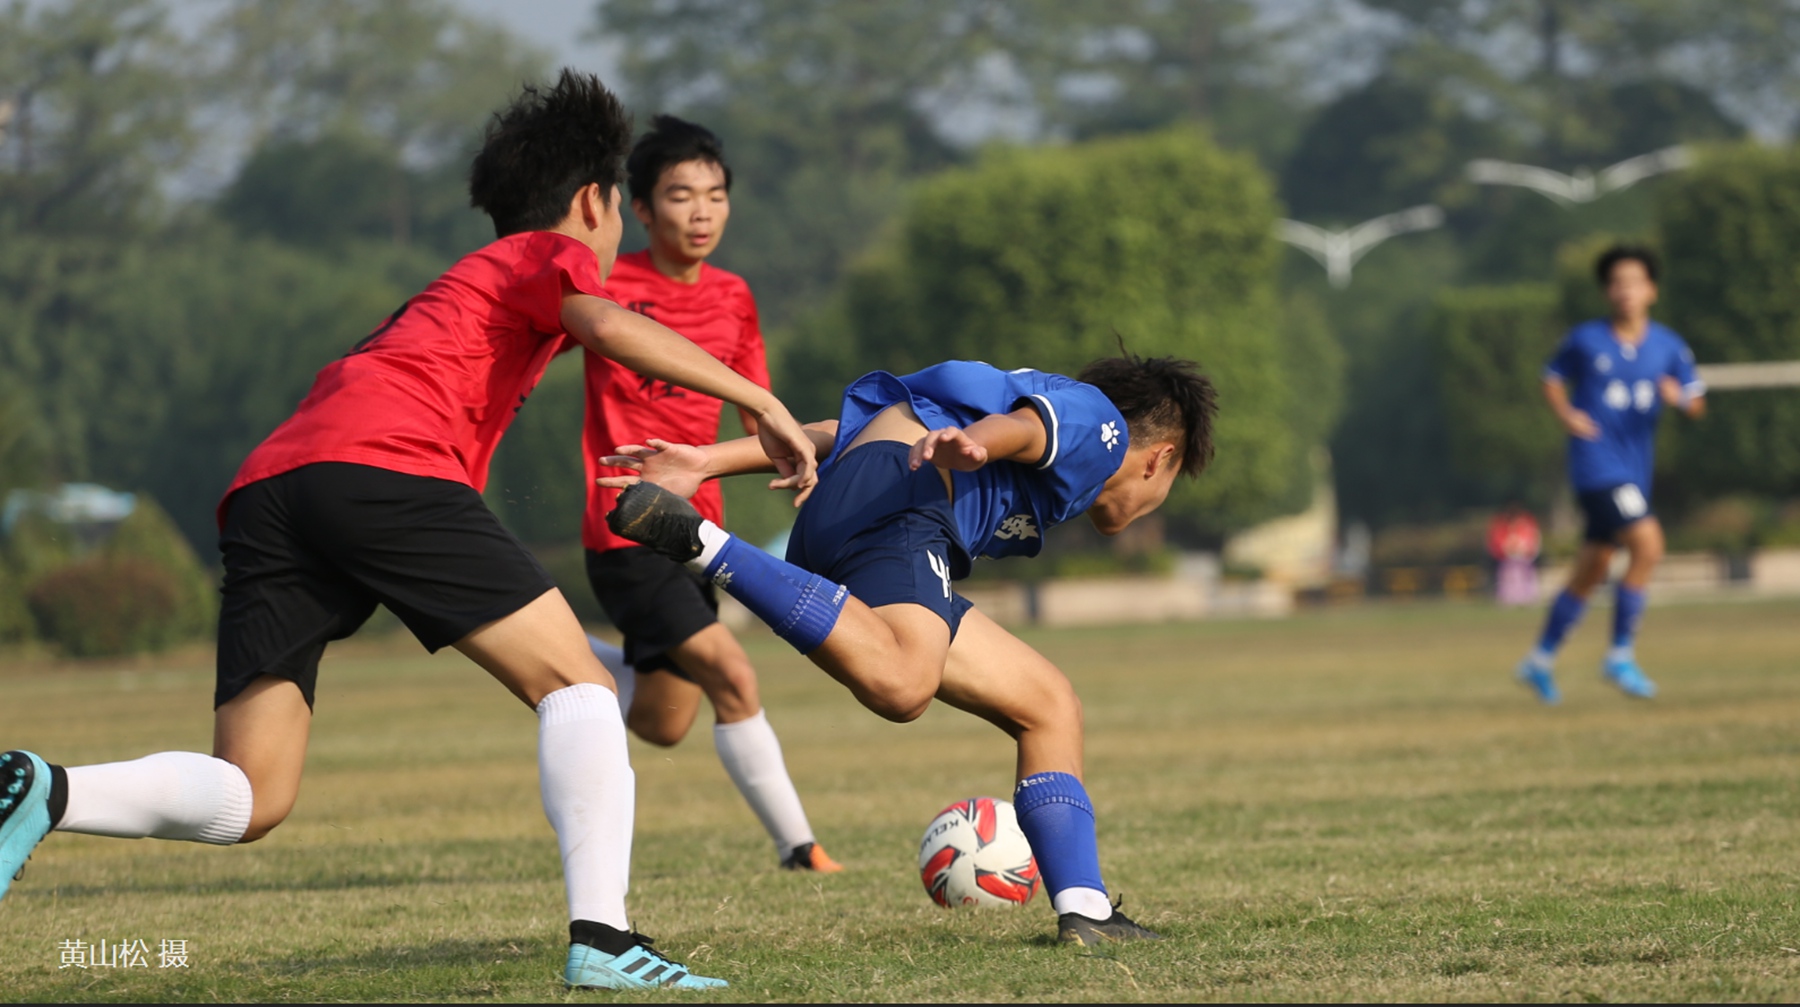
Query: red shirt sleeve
554	265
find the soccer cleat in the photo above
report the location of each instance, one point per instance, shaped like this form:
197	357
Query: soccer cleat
1074	928
650	515
1629	678
1539	680
636	968
24	812
810	857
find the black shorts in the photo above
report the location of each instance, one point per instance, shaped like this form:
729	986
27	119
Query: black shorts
311	552
656	602
1611	511
884	531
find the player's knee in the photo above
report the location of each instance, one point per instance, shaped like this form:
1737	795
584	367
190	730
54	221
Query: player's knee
899	701
263	820
657	730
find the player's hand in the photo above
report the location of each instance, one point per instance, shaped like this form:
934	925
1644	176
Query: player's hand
950	448
792	451
1580	424
1672	393
678	468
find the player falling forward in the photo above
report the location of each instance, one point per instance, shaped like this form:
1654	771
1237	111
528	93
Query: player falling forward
866	590
675	646
369	494
1607	384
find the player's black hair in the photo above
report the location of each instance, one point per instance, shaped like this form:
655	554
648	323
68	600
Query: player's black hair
670	142
546	146
1603	266
1161	397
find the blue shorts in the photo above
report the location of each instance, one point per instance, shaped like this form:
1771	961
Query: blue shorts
1611	511
884	531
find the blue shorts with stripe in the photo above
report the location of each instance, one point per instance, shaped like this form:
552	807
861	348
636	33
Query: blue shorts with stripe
883	531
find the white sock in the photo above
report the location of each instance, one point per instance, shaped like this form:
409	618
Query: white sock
1089	902
752	756
624	676
169	795
1621	655
590	794
1543	658
712	539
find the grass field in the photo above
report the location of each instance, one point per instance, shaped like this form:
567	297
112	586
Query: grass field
1347	805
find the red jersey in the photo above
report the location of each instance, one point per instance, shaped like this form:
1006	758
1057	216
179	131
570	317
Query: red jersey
431	391
719	315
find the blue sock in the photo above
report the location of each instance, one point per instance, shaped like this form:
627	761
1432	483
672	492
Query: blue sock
800	607
1628	611
1058	821
1565	612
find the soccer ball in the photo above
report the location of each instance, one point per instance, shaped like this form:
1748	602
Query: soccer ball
974	854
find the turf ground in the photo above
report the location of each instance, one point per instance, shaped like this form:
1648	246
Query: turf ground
1353	804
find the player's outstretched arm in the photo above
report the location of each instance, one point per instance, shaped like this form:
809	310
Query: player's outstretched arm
1576	422
681	468
655	351
1017	436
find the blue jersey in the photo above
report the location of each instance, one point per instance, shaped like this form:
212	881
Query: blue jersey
1003	508
1615	383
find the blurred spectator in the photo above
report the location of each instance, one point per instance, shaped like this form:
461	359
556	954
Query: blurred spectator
1514	542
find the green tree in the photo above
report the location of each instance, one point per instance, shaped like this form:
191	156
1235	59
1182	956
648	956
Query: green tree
1491	346
1730	230
1044	258
159	364
1574	80
94	101
830	110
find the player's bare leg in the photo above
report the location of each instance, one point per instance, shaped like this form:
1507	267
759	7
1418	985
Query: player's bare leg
1643	540
1593	565
263	732
663	707
890	658
538	650
1001	679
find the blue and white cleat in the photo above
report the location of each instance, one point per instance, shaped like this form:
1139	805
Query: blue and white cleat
637	968
24	812
1629	678
1538	678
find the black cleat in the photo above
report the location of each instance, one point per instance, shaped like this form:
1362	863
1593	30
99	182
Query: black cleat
1074	928
650	515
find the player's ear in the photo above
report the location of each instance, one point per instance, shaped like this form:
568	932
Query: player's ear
589	204
1160	458
642	210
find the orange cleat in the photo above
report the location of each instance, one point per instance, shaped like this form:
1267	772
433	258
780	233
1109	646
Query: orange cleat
810	857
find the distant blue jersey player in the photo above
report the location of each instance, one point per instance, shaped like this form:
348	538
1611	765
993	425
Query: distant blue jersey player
1608	384
923	473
